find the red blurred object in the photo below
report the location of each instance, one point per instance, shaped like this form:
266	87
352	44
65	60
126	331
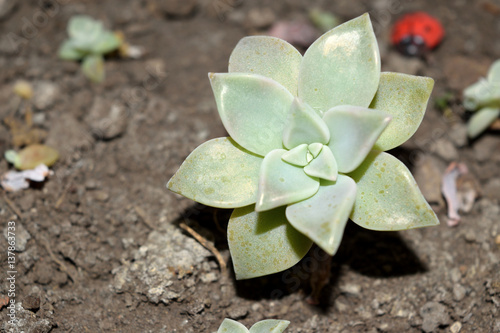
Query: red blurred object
416	33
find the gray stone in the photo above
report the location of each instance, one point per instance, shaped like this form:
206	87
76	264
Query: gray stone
487	148
21	234
45	94
107	120
26	322
427	174
492	189
459	292
445	149
178	7
434	315
458	135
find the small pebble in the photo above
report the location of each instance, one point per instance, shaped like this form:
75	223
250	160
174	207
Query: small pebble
459	292
456	327
31	302
497	240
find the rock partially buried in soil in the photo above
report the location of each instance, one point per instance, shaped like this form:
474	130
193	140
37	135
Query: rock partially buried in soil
160	266
45	94
32	303
179	8
434	315
107	120
6	8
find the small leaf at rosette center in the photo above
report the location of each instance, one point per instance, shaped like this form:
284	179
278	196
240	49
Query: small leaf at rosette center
281	183
354	130
263	243
304	125
323	217
324	166
315	148
297	156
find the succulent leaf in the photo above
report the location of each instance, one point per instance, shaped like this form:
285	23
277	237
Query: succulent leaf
304	125
341	67
405	98
253	109
93	67
323	217
232	326
494	73
281	183
268	56
106	43
481	120
68	51
218	173
263	243
324	166
270	326
388	197
297	156
354	130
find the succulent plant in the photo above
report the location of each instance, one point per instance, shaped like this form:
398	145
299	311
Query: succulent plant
306	151
88	41
484	98
264	326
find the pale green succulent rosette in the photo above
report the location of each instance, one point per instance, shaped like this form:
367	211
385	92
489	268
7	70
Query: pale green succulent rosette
305	152
88	41
484	98
264	326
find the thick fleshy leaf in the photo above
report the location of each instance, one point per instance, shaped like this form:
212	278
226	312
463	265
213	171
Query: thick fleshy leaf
480	94
494	72
297	156
263	243
270	326
481	120
232	326
353	132
324	166
106	43
253	109
281	183
323	217
267	56
304	125
68	51
315	148
84	27
405	98
342	67
388	197
93	67
218	173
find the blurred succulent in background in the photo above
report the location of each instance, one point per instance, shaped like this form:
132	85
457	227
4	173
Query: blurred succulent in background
483	97
89	41
306	147
264	326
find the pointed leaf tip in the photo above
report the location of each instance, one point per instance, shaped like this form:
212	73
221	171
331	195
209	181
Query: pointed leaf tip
388	197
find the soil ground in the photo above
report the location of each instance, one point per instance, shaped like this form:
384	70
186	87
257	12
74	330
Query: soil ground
100	247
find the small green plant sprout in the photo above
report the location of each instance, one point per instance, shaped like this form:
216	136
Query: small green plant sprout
89	41
484	98
306	151
264	326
